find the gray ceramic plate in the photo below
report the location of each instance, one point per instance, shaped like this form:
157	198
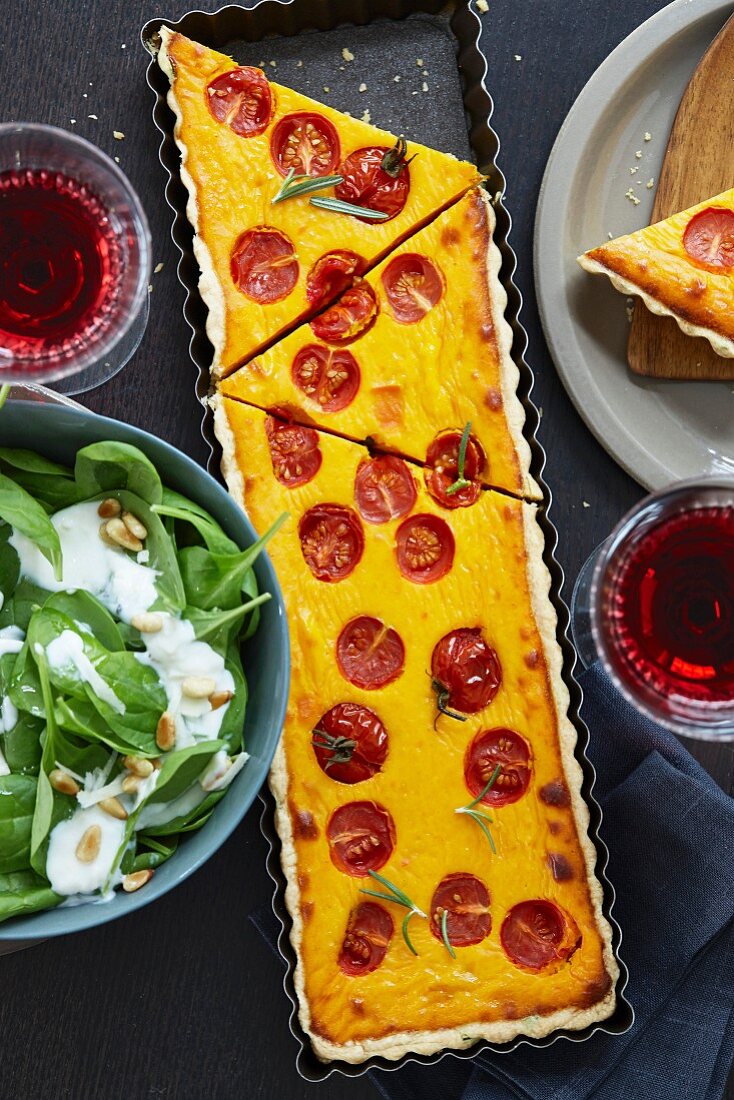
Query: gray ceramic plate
658	431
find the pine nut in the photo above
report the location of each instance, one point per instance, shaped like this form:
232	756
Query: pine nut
133	882
134	525
137	766
109	508
104	535
198	687
165	732
114	808
131	784
218	698
88	847
118	532
147	622
63	782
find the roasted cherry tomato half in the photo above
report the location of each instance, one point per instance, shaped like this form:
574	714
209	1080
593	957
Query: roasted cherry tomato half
442	469
241	98
465	899
501	747
467	667
332	541
348	318
366	183
709	238
305	142
537	933
361	838
264	265
350	743
424	548
384	488
332	274
294	452
366	940
369	653
328	376
413	286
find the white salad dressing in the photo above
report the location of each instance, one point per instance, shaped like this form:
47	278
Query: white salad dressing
126	587
4	769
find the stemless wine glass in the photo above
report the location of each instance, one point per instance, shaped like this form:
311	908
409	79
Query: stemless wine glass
655	603
75	258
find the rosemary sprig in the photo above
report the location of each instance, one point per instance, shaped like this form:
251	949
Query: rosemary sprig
293	185
481	817
442	698
461	482
445	933
395	161
397	896
341	748
338	207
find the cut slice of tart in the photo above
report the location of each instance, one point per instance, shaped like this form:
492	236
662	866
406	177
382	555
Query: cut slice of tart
682	268
410	355
426	682
264	265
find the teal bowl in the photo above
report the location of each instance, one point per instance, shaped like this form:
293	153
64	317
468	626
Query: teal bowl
58	433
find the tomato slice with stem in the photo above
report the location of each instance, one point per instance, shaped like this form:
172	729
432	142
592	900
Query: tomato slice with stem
306	143
466	666
361	838
263	264
366	940
384	488
349	317
442	469
329	376
709	238
294	452
242	99
536	933
369	654
424	548
366	183
332	541
350	743
413	285
331	274
511	752
465	899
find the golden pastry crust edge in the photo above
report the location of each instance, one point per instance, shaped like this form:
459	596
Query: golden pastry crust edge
721	345
395	1046
210	288
514	412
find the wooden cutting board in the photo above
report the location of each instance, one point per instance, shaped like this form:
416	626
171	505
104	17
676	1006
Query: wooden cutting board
699	162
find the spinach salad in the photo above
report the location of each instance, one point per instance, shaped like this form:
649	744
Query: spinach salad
122	693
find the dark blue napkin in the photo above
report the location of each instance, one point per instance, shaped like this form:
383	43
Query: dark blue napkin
670	833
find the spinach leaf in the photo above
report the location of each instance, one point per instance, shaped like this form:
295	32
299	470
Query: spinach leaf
102	467
179	508
232	727
190	821
219	628
25	892
21	510
86	611
26	599
249	588
162	554
50	483
158	853
215	580
17	802
22	745
9	563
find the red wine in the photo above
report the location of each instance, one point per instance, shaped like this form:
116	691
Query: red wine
60	265
670	607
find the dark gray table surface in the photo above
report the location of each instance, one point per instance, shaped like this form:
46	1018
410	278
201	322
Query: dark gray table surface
183	999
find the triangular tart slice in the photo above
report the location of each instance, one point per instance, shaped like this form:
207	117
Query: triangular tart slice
682	268
264	266
410	355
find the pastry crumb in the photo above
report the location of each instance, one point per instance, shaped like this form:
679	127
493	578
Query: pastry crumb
482	6
327	88
158	268
497	198
629	306
585	504
342	68
84	95
610	235
273	64
419	62
150	288
396	79
299	64
635	169
72	121
629	194
123	46
92	116
648	136
424	86
414	93
518	57
650	183
367	117
347	54
540	412
117	160
362	87
638	154
118	135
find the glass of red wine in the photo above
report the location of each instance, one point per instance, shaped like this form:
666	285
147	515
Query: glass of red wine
655	603
75	259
